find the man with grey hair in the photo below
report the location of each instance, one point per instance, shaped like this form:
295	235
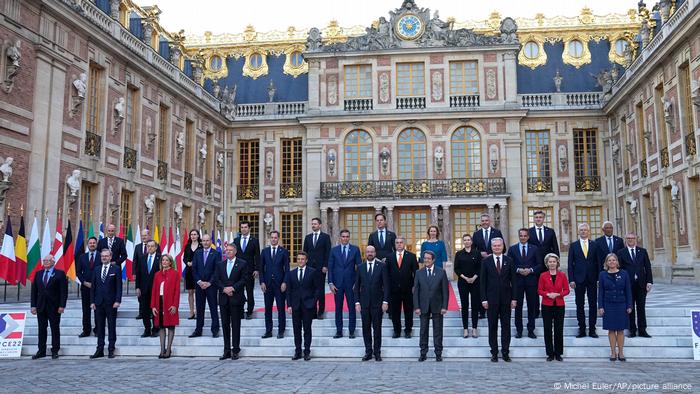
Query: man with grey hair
635	260
48	301
402	266
115	245
430	298
584	265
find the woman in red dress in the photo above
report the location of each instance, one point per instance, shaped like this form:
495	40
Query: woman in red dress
165	300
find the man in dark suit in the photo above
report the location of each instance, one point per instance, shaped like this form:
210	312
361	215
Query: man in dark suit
342	266
105	298
498	282
528	266
274	266
141	250
317	246
203	271
48	301
545	239
583	268
302	293
483	236
83	271
382	239
635	260
146	268
608	242
402	266
372	300
248	249
430	297
231	276
115	244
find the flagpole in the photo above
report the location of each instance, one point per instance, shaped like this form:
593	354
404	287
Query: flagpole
4	295
21	214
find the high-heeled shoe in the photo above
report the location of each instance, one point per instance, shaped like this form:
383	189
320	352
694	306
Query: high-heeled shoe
621	358
192	317
167	353
613	357
162	354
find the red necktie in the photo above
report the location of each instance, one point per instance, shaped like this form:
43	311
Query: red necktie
400	259
92	260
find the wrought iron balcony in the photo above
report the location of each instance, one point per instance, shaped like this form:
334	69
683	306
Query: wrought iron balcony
410	102
465	101
248	192
587	183
207	188
93	144
643	168
162	170
353	105
415	188
690	145
188	181
665	160
129	158
539	184
291	190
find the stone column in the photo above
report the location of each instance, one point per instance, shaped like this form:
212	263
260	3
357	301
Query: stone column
433	215
314	81
390	218
324	217
335	222
511	77
447	235
312	188
504	225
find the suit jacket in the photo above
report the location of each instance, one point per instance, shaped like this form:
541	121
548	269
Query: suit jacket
318	256
341	271
109	291
251	253
602	242
52	296
484	245
240	274
118	249
560	286
583	269
273	271
144	278
532	260
205	270
305	293
371	291
497	289
389	247
430	295
639	269
402	279
83	271
548	245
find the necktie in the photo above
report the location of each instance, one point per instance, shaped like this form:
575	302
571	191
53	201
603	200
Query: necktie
381	239
430	272
301	274
315	239
104	272
46	277
541	238
584	247
400	259
150	263
610	244
110	242
345	252
498	264
274	250
486	238
144	248
206	255
92	260
245	243
369	270
229	267
524	253
634	254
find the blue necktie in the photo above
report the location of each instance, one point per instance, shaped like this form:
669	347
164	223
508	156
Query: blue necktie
245	243
381	238
229	267
345	252
610	245
150	263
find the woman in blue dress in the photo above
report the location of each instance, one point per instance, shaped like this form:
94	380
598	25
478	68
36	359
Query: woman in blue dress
614	304
435	245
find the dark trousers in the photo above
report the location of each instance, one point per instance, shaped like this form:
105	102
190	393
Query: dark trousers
203	297
145	310
302	318
402	299
322	292
581	291
469	294
529	293
496	313
437	332
639	299
274	294
106	315
44	319
249	294
340	295
372	326
231	322
553	317
87	310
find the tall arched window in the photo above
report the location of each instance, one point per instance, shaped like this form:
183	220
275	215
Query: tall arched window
466	153
412	154
358	156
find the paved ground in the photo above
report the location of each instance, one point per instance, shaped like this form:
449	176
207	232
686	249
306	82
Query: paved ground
285	376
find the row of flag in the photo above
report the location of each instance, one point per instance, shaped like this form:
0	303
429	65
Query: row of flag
20	260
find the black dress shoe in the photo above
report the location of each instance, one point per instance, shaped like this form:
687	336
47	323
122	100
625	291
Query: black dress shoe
145	334
110	354
296	356
154	334
518	334
422	357
195	334
249	315
338	335
320	316
558	357
581	334
632	335
532	335
377	358
98	354
367	357
225	356
39	355
494	358
352	335
215	334
550	358
280	335
408	334
592	334
267	335
396	335
138	317
54	356
506	358
438	357
644	334
307	357
235	356
84	334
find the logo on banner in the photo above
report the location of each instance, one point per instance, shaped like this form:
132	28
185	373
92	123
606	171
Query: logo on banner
11	334
695	316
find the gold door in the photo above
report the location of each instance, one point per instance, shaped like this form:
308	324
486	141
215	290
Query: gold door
413	225
360	223
465	220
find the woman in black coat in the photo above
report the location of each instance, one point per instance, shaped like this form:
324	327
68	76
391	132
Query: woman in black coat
193	244
467	268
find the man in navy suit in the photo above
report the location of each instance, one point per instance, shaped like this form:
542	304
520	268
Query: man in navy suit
498	282
372	300
274	265
317	246
203	271
341	278
608	242
382	239
528	266
483	236
402	266
302	291
115	244
140	250
545	239
48	301
105	298
248	249
84	269
146	268
583	269
635	260
231	276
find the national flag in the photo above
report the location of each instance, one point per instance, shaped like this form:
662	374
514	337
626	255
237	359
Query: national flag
218	241
68	256
178	250
90	234
163	241
155	234
7	256
79	251
57	248
137	236
102	232
45	248
34	254
171	243
128	273
213	239
21	255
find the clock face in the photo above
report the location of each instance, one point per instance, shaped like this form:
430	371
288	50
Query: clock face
409	27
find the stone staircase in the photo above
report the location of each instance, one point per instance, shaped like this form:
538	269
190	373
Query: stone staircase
667	315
